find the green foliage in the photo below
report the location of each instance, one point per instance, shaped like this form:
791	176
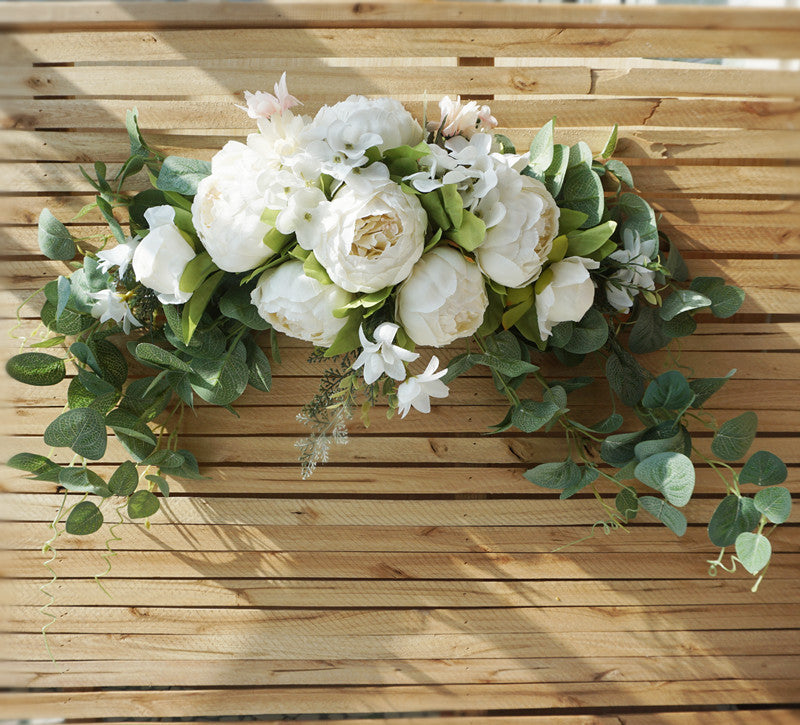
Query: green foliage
774	504
42	468
734	515
55	241
84	519
142	504
124	480
182	175
734	437
753	550
583	191
82	429
670	391
83	480
763	469
668	515
672	474
36	368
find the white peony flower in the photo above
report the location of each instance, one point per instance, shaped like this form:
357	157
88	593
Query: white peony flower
119	256
569	295
370	241
382	357
281	140
298	305
264	105
462	119
443	299
227	209
384	117
522	221
161	257
418	390
110	305
625	283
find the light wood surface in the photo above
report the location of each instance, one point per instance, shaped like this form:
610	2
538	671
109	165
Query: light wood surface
418	571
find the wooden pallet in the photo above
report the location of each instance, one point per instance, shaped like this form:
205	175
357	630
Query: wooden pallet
414	573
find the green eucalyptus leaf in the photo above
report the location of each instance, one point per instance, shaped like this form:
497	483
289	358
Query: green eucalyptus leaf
236	304
82	429
134	435
734	515
108	214
670	391
36	368
554	176
636	216
664	438
124	480
681	325
648	333
220	382
626	377
588	476
142	504
763	469
704	388
161	482
627	503
160	358
753	550
83	480
55	241
182	175
42	468
530	415
675	265
774	503
70	323
260	375
540	155
583	191
64	291
672	474
668	515
85	518
682	300
611	144
555	475
735	436
589	334
619	448
621	171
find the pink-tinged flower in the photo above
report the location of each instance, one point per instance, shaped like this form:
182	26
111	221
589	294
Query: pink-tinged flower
263	105
463	119
382	356
417	391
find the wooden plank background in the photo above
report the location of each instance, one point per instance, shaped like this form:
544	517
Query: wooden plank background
415	573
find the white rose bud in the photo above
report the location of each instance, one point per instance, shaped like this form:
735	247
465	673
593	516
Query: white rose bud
227	209
385	117
160	258
569	295
443	299
370	241
522	221
298	305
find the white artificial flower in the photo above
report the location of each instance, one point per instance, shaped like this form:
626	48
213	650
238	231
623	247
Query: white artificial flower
227	209
363	180
462	119
418	390
119	256
434	165
110	305
569	295
384	117
625	283
300	306
522	220
370	241
264	105
443	299
161	257
382	357
303	212
281	140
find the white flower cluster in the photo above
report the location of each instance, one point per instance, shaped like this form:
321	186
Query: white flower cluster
319	211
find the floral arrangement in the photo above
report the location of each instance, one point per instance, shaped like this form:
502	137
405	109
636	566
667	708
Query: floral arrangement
374	237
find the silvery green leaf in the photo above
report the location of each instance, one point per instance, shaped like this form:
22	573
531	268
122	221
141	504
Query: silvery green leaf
672	474
55	241
753	550
775	503
554	475
733	516
82	429
668	515
182	175
735	436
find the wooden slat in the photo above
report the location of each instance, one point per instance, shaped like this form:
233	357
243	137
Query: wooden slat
328	593
394	699
338	673
90	15
480	41
633	143
576	111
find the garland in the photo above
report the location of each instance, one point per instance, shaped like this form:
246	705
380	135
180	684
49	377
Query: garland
370	236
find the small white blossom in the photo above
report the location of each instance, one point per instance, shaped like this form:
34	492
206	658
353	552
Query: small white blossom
462	119
263	105
382	357
110	305
303	212
119	256
418	390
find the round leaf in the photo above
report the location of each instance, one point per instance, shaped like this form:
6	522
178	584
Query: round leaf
753	550
36	368
142	504
775	503
670	473
84	519
555	475
55	241
670	391
763	469
83	480
668	515
735	436
82	429
733	516
124	480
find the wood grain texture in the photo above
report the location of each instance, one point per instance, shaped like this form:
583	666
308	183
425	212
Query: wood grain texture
419	571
